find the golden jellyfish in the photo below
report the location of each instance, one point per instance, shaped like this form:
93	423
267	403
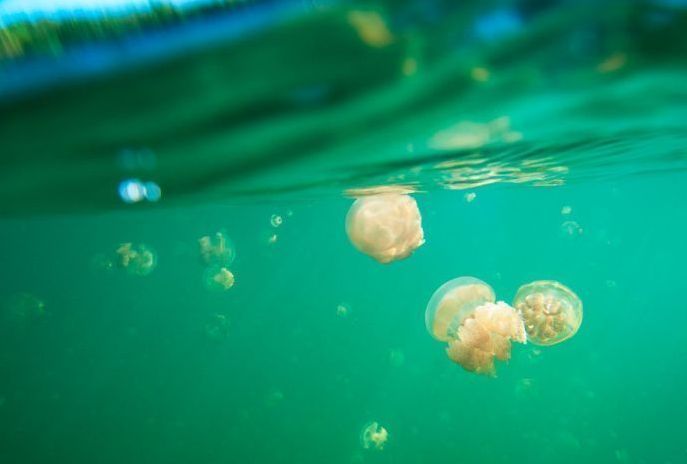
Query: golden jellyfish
137	259
551	311
217	249
387	227
374	436
219	278
479	330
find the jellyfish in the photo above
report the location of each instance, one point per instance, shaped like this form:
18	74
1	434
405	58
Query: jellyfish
219	278
217	328
551	311
276	220
374	436
386	227
137	259
464	313
216	249
25	308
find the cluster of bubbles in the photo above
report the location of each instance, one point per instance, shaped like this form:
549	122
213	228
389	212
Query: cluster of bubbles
217	253
464	312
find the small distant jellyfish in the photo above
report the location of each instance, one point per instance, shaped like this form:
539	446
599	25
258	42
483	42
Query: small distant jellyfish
386	227
566	210
276	220
551	311
396	357
470	197
217	249
274	397
374	436
137	259
463	312
217	328
219	278
571	229
342	310
25	308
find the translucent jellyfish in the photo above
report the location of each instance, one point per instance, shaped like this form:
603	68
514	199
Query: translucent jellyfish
397	357
463	312
552	312
571	229
276	220
25	308
137	259
217	249
219	278
217	328
342	310
387	227
374	436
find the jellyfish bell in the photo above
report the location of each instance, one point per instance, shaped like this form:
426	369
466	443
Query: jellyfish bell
137	259
219	278
374	436
463	312
216	249
485	336
551	311
386	227
452	303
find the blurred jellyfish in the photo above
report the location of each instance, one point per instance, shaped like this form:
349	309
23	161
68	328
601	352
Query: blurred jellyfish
219	278
274	397
137	259
571	229
470	197
102	262
374	436
25	308
387	227
217	328
217	249
526	388
551	311
397	357
463	312
276	220
342	310
566	210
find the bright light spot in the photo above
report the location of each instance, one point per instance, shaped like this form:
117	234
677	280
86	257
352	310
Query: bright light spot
131	190
152	191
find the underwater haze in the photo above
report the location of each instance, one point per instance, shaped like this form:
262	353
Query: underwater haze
183	282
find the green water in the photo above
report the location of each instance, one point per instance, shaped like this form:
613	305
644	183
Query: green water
557	151
121	369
